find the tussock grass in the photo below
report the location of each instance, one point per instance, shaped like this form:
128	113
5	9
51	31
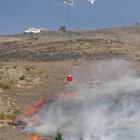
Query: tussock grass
5	84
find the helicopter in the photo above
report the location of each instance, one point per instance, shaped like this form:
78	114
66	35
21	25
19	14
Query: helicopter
71	2
68	2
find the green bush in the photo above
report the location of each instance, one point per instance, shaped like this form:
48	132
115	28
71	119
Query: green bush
58	136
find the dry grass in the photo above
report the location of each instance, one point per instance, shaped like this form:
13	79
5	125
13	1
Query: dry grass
53	46
21	75
5	84
6	117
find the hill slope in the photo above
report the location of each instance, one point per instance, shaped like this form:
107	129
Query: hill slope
52	46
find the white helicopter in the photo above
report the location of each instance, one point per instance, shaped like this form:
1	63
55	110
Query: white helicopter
71	2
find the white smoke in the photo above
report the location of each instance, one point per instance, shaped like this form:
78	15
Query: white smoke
106	105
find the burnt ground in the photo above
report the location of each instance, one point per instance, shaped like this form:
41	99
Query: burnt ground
54	54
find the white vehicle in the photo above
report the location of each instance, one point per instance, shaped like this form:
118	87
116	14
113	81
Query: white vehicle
32	31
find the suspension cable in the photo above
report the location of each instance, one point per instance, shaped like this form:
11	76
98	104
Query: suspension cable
68	44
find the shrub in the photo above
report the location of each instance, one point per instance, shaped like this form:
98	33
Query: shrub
58	136
22	77
5	85
15	66
6	117
17	112
136	23
29	67
62	29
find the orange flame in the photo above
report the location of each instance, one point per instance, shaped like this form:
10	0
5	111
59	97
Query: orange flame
35	137
30	110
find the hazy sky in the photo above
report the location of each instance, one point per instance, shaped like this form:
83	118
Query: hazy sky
17	15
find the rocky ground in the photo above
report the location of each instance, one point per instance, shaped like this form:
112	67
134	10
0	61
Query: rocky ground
34	67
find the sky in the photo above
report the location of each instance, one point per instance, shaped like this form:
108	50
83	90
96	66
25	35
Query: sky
17	15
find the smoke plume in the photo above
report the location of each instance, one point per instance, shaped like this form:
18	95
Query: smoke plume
106	105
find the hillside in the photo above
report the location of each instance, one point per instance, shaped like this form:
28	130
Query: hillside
52	46
35	67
